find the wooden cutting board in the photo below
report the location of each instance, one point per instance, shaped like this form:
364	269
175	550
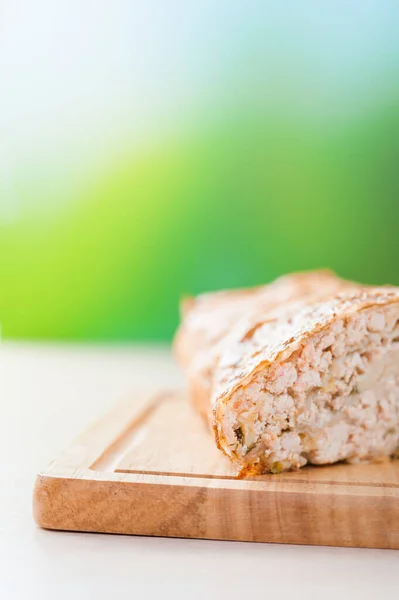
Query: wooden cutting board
151	468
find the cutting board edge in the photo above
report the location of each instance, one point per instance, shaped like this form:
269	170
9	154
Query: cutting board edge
289	516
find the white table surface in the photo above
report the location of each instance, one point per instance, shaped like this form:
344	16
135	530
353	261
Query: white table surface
48	395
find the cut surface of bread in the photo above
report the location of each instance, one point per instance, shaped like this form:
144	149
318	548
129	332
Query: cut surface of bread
303	370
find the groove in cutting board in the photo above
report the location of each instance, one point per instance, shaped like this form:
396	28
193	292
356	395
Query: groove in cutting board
151	467
169	438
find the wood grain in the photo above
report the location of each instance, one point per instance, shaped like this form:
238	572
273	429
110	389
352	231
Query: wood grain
151	468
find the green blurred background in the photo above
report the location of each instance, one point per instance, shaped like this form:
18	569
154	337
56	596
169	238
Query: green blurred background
151	150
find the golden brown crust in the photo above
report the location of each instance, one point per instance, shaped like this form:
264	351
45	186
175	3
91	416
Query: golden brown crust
227	337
